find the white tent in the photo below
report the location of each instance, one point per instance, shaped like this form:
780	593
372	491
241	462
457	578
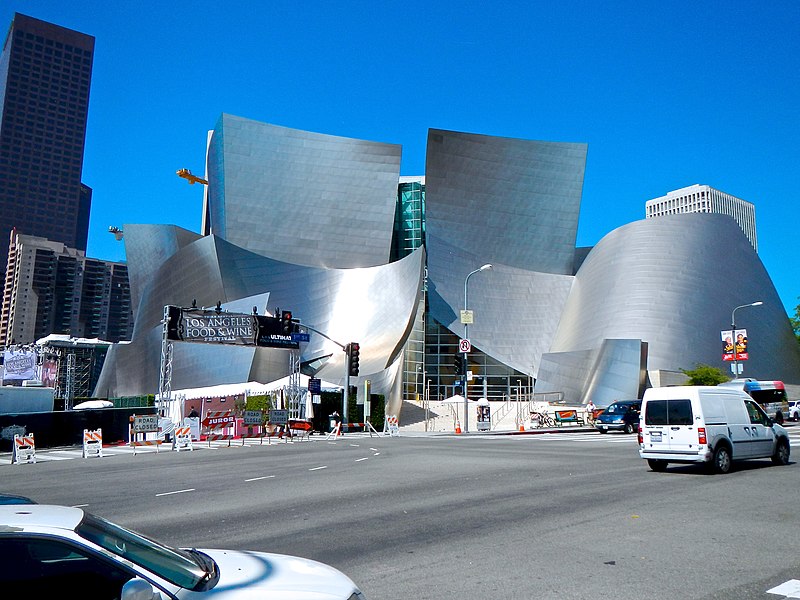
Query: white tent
457	399
251	388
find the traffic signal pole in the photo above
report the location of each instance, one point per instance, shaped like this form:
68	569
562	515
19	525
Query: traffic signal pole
346	350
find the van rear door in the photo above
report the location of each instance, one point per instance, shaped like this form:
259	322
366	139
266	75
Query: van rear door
655	432
682	429
669	426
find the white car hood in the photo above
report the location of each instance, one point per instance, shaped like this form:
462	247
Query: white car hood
245	575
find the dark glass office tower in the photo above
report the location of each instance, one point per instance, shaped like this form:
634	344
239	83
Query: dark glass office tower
45	74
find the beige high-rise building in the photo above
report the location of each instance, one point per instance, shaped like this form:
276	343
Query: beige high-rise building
704	198
51	288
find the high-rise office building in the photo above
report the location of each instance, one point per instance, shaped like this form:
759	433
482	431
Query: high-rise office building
51	288
45	75
705	199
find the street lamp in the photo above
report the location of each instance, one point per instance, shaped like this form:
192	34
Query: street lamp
733	335
466	337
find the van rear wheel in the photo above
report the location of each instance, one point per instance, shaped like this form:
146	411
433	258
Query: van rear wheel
657	465
781	456
722	460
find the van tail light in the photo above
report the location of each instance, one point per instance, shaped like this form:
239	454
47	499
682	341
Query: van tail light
641	438
701	436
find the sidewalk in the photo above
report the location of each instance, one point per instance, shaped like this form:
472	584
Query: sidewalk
442	420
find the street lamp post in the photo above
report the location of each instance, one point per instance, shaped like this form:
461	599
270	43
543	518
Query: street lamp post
733	335
466	337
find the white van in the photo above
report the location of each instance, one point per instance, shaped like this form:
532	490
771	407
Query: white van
705	424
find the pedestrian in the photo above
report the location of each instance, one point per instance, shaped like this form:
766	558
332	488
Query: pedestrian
590	408
193	413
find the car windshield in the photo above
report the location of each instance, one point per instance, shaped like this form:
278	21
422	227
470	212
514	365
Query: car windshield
188	570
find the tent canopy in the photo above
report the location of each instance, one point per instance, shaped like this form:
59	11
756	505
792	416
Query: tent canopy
251	388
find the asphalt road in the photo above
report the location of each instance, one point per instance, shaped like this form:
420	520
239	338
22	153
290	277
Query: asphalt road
467	517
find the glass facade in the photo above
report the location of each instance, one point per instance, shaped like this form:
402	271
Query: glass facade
428	367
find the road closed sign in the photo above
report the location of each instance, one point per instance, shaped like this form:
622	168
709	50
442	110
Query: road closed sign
145	423
279	417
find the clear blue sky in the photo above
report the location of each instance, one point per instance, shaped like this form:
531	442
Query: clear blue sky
666	94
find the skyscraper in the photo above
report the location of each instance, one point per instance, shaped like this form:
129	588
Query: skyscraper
51	288
45	75
704	198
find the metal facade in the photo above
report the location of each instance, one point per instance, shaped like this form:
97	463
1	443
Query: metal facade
673	282
374	306
302	198
304	221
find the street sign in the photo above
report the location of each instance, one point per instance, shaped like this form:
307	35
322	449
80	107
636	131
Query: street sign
464	346
301	337
145	423
252	417
466	317
315	385
224	419
279	417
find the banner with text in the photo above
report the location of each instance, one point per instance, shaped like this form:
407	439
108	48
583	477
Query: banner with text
734	345
19	365
212	327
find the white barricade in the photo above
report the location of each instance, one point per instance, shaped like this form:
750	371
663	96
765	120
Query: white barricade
143	425
393	425
183	438
194	426
24	449
93	443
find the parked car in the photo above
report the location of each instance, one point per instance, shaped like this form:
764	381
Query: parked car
619	416
58	551
705	424
794	410
14	499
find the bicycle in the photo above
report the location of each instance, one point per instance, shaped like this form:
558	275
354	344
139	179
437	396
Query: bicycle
540	419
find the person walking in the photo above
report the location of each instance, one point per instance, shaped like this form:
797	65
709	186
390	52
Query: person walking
590	408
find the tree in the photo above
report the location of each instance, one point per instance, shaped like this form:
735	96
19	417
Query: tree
795	321
705	375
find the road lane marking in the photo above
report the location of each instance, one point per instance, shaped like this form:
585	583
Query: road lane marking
259	478
360	459
175	492
317	468
789	589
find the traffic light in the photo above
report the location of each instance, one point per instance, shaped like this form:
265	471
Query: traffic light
458	363
353	351
287	326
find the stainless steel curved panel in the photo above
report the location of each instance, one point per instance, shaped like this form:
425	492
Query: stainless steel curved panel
508	201
673	282
374	306
146	249
516	312
300	197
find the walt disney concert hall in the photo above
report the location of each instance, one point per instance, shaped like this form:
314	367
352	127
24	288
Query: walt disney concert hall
326	227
